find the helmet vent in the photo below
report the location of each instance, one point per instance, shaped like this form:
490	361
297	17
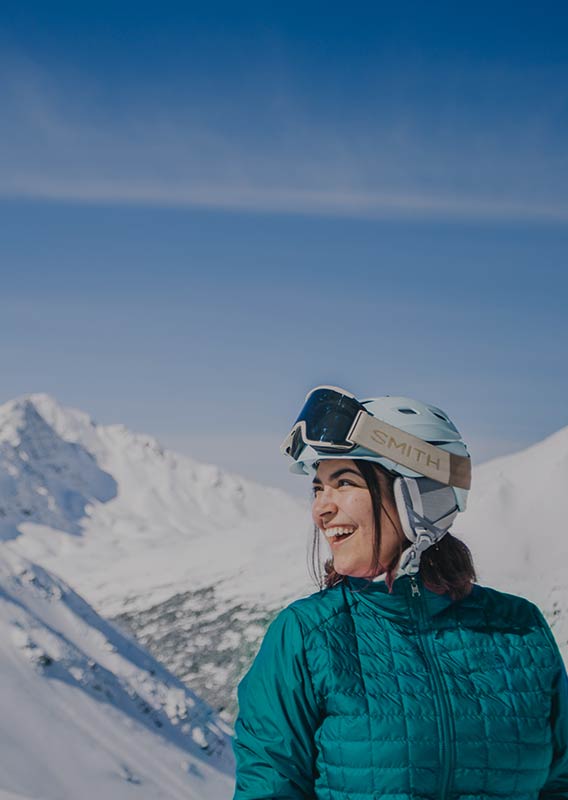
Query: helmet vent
407	411
445	419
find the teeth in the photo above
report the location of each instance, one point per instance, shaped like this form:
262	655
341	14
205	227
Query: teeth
332	532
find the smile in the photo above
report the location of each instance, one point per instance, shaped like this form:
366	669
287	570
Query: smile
338	535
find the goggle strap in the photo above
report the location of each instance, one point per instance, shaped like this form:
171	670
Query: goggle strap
410	451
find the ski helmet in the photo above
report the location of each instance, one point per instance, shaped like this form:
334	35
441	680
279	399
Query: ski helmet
426	507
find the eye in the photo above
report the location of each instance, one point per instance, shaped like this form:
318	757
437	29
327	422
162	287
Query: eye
348	482
317	488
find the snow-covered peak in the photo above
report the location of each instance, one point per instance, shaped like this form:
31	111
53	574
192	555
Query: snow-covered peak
61	419
37	435
16	416
70	424
44	478
99	502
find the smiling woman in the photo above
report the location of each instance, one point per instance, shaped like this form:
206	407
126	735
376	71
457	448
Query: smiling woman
402	677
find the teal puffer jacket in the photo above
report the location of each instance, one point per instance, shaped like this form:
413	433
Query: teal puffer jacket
358	694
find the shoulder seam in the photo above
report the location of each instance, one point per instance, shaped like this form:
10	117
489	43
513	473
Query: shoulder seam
308	630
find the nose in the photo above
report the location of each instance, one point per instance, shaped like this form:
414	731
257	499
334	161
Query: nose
324	507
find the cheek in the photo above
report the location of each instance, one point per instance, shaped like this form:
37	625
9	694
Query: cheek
361	510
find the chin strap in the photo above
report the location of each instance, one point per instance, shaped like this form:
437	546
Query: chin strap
421	532
410	560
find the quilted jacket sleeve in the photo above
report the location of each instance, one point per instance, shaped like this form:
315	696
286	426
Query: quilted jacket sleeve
278	716
556	786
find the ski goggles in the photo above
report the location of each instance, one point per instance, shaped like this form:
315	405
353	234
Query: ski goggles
332	420
325	422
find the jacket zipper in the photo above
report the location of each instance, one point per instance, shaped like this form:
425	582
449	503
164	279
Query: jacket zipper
447	737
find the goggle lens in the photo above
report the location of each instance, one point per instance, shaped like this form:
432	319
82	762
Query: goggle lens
327	416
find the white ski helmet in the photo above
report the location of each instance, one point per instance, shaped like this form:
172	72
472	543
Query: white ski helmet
426	507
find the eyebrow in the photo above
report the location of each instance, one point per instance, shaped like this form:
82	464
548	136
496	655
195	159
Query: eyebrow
339	472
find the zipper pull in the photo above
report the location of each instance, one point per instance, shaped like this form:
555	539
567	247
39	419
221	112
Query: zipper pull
415	587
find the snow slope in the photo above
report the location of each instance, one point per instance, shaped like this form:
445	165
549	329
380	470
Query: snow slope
192	560
86	713
516	527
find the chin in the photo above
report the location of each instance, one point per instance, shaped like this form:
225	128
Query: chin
357	572
351	572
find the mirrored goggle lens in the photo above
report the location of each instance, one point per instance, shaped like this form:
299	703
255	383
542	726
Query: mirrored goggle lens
328	417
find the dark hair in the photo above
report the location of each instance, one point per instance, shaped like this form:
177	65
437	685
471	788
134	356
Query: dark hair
445	567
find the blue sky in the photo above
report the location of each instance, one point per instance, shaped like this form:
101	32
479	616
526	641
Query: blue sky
207	212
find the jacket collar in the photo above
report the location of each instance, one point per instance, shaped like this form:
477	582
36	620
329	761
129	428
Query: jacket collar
400	602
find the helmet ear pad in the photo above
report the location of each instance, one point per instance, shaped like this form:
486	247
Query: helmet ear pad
406	489
424	503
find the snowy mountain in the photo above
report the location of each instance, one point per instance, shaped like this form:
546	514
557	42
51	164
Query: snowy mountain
86	713
193	560
516	527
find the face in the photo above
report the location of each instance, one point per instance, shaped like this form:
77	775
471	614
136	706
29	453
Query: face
343	511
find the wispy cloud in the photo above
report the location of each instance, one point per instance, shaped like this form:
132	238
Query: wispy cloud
64	145
277	199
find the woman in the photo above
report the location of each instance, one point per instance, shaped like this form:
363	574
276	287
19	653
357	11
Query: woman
402	678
